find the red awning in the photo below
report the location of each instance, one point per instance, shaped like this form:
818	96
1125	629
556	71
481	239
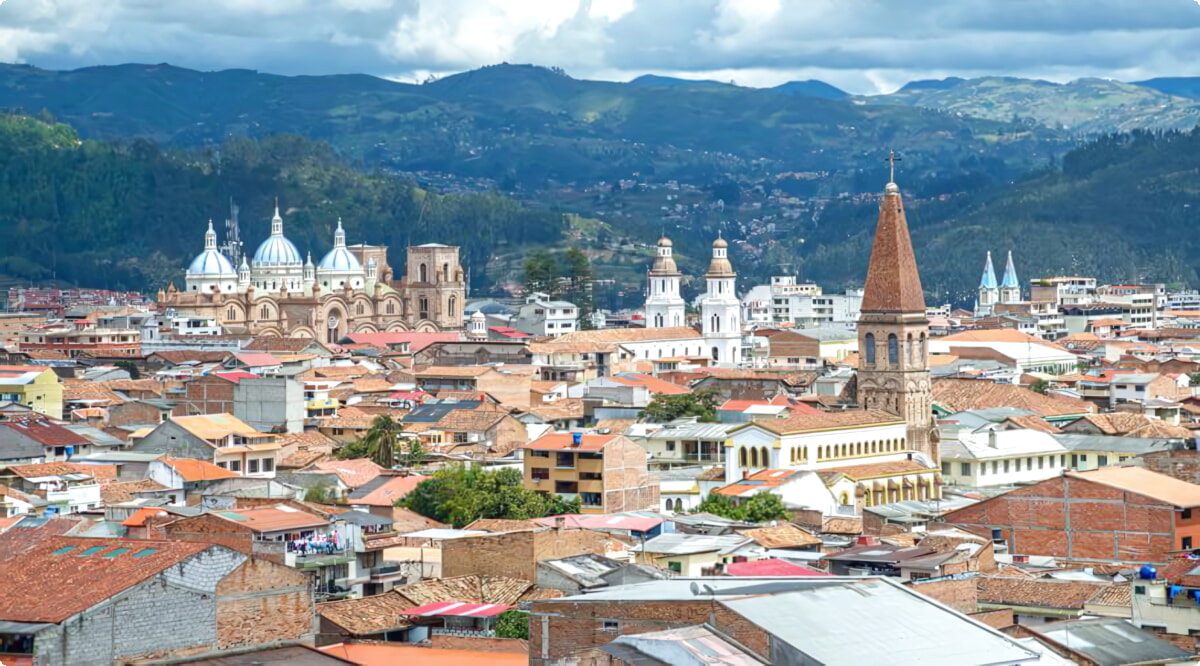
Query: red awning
458	609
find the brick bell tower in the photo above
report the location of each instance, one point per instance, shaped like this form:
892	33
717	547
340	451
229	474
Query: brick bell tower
893	332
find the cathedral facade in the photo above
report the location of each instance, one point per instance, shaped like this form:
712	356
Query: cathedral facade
720	309
351	289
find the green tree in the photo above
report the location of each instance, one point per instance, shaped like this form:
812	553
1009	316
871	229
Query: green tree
130	367
413	454
380	440
512	624
353	450
1039	386
577	269
720	505
318	493
1194	379
541	271
763	508
459	495
702	404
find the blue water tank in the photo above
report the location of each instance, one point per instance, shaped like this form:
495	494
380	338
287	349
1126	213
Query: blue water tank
576	438
1148	572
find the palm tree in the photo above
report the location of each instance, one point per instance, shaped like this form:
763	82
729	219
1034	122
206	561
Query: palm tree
380	440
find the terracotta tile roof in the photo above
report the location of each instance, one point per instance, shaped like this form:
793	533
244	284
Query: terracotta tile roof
301	449
1141	481
349	417
565	440
416	340
828	421
620	335
368	615
216	426
176	357
353	473
1038	592
1126	424
119	493
47	583
842	526
577	347
454	371
190	469
655	385
1032	423
273	519
965	394
501	525
874	470
45	432
567	408
36	470
335	372
387	491
767	478
493	589
782	536
1118	594
135	386
469	420
620	425
893	282
372	384
139	517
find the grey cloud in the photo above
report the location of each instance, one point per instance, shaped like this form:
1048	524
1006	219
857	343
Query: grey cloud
849	42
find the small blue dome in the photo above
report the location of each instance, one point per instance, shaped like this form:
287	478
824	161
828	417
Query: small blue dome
212	262
341	260
276	250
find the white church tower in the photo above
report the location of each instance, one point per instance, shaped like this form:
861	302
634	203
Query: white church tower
664	306
720	310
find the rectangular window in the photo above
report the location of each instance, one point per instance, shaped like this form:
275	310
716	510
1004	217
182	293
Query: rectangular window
611	626
1062	460
223	465
235	465
1186	515
670	446
564	460
995	467
965	468
1075	461
1102	461
677	567
1006	467
1041	462
539	454
946	469
539	473
1186	543
252	466
1139	589
268	465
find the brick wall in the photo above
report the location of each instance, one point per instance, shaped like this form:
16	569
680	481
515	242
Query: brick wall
516	554
210	529
133	413
960	594
1075	519
1183	465
442	642
628	485
209	395
569	628
261	602
996	619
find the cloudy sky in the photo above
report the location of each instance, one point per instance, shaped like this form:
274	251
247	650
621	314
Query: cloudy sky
863	46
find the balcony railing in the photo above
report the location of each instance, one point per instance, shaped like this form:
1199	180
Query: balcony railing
463	633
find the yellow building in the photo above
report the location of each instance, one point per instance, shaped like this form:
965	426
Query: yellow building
33	386
607	473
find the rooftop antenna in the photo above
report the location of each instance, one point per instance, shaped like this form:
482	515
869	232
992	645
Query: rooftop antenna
232	247
892	159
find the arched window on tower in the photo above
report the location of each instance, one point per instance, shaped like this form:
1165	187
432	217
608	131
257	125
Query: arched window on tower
921	359
423	274
716	354
869	343
231	314
716	323
452	307
445	272
893	349
391	307
358	308
753	458
742	457
910	350
264	312
423	306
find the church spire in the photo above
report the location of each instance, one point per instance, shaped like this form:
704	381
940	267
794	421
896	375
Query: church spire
210	237
988	281
1010	274
339	236
277	221
893	283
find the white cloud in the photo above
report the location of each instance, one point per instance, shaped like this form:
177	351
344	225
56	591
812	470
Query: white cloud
862	45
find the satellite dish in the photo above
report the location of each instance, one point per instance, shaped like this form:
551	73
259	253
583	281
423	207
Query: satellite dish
695	588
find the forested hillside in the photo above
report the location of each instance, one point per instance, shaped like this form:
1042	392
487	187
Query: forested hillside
131	214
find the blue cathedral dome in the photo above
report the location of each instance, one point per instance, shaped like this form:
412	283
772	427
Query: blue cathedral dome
277	249
211	262
340	259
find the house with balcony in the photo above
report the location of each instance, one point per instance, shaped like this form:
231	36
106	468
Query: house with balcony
542	317
607	473
576	361
59	487
687	442
993	456
222	439
78	337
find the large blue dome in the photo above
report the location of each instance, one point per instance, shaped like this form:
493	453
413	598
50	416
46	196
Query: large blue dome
277	250
341	260
212	262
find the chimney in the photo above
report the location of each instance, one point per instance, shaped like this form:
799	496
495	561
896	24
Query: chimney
745	475
867	540
992	438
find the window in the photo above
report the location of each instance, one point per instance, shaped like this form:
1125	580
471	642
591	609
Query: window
252	466
893	349
869	343
1062	460
539	454
1006	467
677	567
965	469
1139	589
946	468
1041	462
391	307
1102	461
1074	460
919	575
115	552
223	465
1186	515
995	467
268	465
539	473
423	274
612	626
235	465
670	446
565	460
1186	543
358	308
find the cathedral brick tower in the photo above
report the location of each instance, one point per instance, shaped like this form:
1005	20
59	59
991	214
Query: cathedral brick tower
893	332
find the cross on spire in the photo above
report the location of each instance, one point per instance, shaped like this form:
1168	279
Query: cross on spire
892	159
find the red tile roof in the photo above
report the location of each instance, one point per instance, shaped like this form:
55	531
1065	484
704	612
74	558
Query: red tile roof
767	478
236	376
654	384
416	340
770	567
61	576
353	473
390	491
47	433
273	519
139	517
257	359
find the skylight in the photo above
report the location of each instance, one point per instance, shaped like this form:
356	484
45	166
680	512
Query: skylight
91	551
63	551
116	552
144	553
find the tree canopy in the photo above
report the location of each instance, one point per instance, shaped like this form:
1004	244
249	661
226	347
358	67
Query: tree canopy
760	508
702	403
459	495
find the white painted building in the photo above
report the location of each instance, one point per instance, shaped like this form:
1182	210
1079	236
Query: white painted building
665	307
544	317
994	457
720	309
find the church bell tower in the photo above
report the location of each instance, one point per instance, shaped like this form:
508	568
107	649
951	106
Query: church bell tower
893	331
